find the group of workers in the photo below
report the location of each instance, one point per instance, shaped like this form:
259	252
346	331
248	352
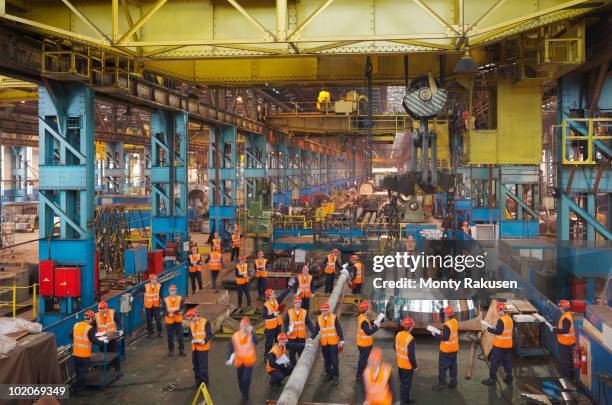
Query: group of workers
286	337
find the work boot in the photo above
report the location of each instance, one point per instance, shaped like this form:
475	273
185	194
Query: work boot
335	380
452	385
508	381
182	354
439	387
159	335
489	381
170	354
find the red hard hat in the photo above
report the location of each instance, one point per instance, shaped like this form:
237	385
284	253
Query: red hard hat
354	257
260	253
449	311
334	250
564	304
245	321
375	355
172	287
407	322
152	276
268	292
192	313
89	314
325	306
297	299
501	306
242	257
102	305
282	337
364	305
466	113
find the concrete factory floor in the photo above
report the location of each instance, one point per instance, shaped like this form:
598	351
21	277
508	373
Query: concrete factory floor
148	371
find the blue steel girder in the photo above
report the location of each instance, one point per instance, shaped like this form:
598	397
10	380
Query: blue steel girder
223	178
568	203
66	186
522	204
169	138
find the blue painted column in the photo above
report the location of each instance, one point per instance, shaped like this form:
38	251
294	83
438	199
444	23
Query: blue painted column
66	188
255	152
114	168
19	173
223	166
169	140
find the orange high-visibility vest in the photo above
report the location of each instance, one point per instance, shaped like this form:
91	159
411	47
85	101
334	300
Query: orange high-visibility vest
198	332
298	320
151	295
363	340
236	240
452	344
327	329
331	263
278	352
244	349
216	261
358	273
193	263
81	345
173	305
260	268
216	243
504	340
402	340
244	271
106	323
272	323
569	338
377	390
304	286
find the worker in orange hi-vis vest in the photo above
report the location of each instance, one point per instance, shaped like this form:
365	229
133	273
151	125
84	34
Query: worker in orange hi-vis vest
277	362
356	274
330	265
502	346
215	265
236	242
332	340
173	315
296	323
406	359
365	337
216	241
242	281
261	274
152	304
195	269
377	380
305	287
242	355
449	347
83	336
566	338
201	335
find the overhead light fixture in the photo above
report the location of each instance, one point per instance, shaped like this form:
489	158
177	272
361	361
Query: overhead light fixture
239	99
465	65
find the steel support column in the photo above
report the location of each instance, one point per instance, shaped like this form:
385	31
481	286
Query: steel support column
66	189
223	164
169	137
114	168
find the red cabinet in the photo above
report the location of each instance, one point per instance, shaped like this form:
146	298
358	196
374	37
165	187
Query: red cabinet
155	261
46	279
68	282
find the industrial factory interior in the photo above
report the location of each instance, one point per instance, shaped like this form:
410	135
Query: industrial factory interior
305	202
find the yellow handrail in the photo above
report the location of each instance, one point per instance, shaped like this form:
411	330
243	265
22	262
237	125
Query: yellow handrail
13	302
566	126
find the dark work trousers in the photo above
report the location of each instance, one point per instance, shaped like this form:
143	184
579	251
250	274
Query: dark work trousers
306	303
244	380
199	359
172	329
81	368
195	276
244	289
153	313
364	353
235	253
329	282
261	288
405	377
277	376
270	335
296	347
357	288
330	356
504	356
566	360
447	361
213	275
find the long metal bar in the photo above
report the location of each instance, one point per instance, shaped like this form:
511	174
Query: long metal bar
84	18
309	19
252	19
436	16
141	21
487	13
293	389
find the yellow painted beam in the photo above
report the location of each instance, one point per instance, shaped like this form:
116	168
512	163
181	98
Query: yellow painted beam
141	21
309	19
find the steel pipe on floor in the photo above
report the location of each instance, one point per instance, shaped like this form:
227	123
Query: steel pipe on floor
295	385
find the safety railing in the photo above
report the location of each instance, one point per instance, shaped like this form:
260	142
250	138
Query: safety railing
581	136
14	305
